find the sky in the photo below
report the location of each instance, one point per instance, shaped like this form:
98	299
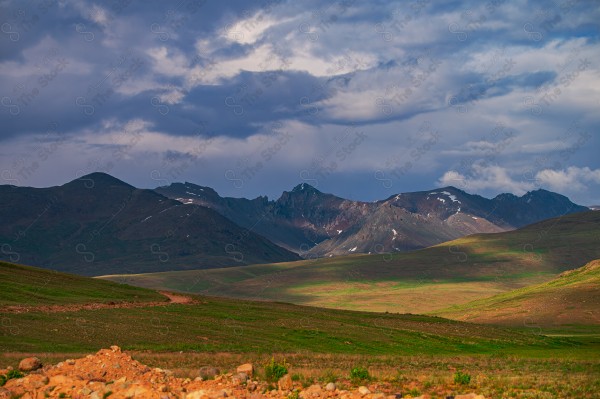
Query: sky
363	99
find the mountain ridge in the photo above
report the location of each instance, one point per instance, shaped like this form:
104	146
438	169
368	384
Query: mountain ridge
316	224
97	224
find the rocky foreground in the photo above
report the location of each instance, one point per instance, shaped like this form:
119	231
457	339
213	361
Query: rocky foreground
110	373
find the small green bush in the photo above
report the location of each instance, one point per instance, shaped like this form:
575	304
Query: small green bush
462	378
10	375
359	374
329	376
274	371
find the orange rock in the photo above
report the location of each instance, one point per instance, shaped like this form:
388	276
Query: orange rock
247	368
30	364
285	383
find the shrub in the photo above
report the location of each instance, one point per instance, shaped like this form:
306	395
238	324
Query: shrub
462	378
359	374
11	374
274	371
329	376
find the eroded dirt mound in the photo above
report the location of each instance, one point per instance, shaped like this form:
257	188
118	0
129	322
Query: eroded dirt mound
110	373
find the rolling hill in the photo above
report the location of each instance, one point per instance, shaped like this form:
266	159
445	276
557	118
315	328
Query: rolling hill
218	324
426	280
98	224
572	298
25	285
316	224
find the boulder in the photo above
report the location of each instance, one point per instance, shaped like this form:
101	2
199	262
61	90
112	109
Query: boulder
247	368
285	383
330	387
30	364
239	378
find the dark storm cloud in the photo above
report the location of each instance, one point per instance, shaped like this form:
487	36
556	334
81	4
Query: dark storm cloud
230	70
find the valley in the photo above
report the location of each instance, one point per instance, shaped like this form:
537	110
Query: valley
422	281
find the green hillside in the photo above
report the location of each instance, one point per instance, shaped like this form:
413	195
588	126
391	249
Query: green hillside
434	278
24	285
573	298
216	324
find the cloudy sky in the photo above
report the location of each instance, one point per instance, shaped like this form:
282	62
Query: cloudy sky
363	99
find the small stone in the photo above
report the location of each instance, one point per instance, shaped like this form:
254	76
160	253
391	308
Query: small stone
363	390
239	378
247	368
330	387
208	372
30	364
196	394
314	388
115	348
251	387
285	383
70	362
220	394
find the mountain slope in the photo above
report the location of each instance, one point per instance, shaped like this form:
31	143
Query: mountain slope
98	224
315	224
571	298
298	220
434	278
25	285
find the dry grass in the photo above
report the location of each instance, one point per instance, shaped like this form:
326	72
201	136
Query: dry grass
495	377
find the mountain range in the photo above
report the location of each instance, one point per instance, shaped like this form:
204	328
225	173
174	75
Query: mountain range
98	224
315	224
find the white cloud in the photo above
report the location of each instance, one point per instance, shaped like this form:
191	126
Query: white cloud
168	61
485	177
99	15
251	29
571	179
